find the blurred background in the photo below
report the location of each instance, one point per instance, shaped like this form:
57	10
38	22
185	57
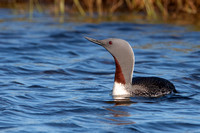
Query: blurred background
171	11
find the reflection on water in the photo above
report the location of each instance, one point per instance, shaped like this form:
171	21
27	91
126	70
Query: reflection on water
53	80
116	115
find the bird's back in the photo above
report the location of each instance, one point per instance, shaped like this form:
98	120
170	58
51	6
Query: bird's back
152	86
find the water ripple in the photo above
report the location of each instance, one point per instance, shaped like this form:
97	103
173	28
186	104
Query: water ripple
54	80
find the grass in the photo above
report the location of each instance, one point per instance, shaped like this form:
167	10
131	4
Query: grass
151	9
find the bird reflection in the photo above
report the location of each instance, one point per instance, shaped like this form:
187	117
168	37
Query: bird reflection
117	116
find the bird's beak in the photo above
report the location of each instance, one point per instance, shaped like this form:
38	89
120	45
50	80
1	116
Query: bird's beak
99	42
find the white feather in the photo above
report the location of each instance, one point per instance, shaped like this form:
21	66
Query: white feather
119	89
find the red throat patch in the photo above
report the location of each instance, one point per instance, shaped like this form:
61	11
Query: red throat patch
119	77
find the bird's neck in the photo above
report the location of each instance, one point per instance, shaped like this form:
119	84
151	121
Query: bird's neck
119	76
124	69
123	78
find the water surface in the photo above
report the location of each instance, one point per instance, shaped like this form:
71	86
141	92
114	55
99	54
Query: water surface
54	80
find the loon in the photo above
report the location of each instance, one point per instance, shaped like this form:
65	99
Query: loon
124	84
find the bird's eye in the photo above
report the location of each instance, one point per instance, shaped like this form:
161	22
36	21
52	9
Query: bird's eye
110	42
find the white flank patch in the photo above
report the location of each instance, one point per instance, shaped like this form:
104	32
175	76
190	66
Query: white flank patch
119	89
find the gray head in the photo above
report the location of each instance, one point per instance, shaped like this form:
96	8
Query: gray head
123	55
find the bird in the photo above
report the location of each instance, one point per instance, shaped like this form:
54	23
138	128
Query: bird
125	85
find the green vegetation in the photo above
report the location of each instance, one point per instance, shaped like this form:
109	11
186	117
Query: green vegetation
150	9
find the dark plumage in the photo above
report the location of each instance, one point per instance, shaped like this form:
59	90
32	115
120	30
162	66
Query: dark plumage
154	86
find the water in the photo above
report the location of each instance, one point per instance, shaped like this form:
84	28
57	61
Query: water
54	80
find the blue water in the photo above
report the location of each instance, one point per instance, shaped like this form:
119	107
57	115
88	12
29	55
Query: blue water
54	80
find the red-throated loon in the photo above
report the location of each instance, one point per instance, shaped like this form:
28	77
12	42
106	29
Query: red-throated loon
124	84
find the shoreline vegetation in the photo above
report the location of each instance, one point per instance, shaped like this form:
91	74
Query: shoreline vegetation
178	11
